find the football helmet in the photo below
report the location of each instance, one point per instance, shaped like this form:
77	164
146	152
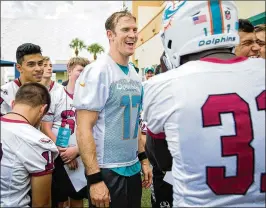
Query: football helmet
195	26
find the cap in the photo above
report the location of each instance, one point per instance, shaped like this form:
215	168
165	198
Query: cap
149	69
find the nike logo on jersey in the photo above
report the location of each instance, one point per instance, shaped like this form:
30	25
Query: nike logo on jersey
169	13
82	84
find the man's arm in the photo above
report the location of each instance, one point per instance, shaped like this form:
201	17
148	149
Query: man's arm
46	128
145	164
41	190
142	142
86	120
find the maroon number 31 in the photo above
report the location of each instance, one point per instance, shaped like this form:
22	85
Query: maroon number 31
234	145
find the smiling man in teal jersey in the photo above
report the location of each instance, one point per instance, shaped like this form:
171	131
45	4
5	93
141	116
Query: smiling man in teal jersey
107	99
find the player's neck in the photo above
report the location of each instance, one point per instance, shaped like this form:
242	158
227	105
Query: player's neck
28	112
23	80
215	53
118	57
46	81
70	88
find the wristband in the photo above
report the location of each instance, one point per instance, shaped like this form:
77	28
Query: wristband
94	178
142	156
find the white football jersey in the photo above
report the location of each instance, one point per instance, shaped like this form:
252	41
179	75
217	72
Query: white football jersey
66	114
105	88
57	94
26	152
213	114
8	93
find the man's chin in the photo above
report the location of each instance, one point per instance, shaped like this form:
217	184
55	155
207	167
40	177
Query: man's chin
37	80
130	53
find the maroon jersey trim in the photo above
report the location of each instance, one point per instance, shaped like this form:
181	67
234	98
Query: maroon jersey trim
12	120
222	61
70	95
51	86
45	172
17	82
160	135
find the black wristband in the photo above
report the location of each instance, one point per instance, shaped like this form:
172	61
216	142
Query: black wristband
94	178
142	156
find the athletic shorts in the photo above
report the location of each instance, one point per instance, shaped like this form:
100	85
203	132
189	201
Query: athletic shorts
62	187
162	192
125	191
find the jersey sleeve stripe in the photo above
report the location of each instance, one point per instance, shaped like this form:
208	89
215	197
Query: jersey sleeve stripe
45	172
160	135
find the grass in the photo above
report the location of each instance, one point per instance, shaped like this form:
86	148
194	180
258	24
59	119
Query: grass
145	201
146	198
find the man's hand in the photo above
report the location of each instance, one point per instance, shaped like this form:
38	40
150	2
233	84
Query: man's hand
73	165
147	172
99	194
69	154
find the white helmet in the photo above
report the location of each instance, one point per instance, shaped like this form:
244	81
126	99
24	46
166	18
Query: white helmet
195	26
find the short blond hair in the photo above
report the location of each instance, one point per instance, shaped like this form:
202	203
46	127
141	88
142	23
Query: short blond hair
77	61
46	58
111	22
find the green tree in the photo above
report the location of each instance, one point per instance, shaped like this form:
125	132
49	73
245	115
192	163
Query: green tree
95	49
77	45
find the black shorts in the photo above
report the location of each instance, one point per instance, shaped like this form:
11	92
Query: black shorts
62	187
125	191
162	192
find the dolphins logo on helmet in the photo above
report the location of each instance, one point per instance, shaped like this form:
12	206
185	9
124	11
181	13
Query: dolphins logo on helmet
172	8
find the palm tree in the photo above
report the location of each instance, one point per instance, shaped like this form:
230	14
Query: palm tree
77	45
95	49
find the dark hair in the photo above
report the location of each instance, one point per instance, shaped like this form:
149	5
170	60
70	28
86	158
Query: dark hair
245	26
33	94
27	49
163	64
158	69
114	18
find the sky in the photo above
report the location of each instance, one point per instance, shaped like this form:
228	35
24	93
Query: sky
53	24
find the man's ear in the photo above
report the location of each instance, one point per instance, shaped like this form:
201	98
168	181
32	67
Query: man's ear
12	104
19	68
110	35
44	109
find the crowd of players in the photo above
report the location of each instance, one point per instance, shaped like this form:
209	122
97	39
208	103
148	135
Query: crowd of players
202	118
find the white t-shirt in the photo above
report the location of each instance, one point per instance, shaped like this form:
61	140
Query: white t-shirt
201	106
105	88
26	152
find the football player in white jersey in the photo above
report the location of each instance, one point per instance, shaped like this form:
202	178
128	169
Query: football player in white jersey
27	159
47	75
30	65
62	115
55	89
159	157
107	98
211	106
